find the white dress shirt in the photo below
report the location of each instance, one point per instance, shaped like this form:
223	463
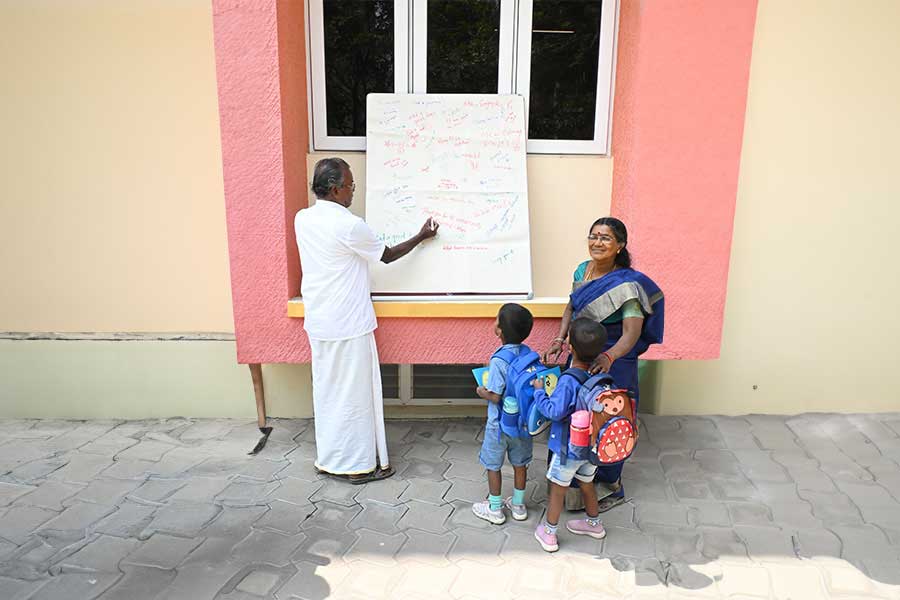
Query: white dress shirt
336	248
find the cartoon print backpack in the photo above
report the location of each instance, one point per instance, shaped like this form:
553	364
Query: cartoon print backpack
518	400
607	432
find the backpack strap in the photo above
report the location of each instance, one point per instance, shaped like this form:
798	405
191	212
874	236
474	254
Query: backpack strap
581	377
505	354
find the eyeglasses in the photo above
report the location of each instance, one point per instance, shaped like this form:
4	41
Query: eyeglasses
606	239
352	186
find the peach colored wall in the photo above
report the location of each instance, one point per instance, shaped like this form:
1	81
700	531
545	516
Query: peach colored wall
810	321
681	92
111	215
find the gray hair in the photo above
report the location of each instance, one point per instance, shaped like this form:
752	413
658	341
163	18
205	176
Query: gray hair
328	174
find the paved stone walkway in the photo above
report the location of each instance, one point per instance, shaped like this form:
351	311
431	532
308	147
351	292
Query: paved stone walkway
755	507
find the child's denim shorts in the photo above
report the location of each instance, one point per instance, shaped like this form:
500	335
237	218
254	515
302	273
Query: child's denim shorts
563	475
496	446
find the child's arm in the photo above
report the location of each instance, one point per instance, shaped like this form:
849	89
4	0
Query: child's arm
488	395
555	407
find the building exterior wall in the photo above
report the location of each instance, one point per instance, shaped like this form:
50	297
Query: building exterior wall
121	182
111	205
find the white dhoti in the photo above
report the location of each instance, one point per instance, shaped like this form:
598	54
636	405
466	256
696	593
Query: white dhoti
349	408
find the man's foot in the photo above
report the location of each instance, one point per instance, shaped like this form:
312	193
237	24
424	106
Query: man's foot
482	510
583	527
547	540
518	511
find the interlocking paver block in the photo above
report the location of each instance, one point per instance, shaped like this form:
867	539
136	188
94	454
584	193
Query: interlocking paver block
128	521
106	491
35	471
200	580
102	554
678	545
10	491
156	490
332	516
758	466
483	546
766	543
313	581
817	542
284	516
832	507
268	547
466	490
245	493
109	445
16	589
234	522
258	583
708	513
425	547
480	580
338	492
82	468
425	517
656	513
738	489
718	542
79	515
297	491
322	545
163	551
386	492
146	450
129	469
426	581
50	495
181	518
200	489
864	542
426	490
140	582
376	547
427	469
748	513
627	542
378	517
76	585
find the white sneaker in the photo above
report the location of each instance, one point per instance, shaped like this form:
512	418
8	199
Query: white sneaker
518	511
482	510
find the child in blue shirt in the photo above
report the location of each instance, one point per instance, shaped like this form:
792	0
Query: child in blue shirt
587	339
512	325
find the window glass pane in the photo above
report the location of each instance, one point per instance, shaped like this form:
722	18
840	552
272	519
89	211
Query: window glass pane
463	46
390	381
565	46
359	59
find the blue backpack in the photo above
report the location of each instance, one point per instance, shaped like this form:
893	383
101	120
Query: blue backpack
518	397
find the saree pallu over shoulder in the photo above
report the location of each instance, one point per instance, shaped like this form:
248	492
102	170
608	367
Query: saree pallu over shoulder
600	298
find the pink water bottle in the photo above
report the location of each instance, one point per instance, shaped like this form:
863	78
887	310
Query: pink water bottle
580	429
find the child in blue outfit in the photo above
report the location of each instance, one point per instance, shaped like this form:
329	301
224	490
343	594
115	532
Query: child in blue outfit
512	325
587	338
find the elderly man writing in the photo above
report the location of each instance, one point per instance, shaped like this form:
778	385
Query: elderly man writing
336	249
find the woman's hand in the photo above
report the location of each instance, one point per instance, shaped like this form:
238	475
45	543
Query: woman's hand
551	355
601	364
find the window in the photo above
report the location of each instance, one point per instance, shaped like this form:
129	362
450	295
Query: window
558	54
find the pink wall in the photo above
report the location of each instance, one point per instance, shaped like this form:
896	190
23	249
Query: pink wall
679	110
681	93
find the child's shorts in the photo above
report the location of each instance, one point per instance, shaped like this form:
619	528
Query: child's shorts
497	445
560	474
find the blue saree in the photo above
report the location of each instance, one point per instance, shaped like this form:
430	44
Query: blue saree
601	300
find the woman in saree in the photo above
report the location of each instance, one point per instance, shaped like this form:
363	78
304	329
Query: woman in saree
630	306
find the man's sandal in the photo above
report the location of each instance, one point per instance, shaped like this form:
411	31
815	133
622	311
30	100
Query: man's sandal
376	475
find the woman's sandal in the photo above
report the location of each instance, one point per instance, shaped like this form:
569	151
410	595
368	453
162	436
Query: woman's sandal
610	502
376	475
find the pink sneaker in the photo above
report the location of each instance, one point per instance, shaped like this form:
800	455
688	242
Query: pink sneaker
582	527
546	539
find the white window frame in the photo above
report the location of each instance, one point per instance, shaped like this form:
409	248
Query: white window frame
513	72
316	52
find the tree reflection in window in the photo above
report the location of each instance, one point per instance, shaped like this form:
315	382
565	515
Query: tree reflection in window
565	43
463	46
359	59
